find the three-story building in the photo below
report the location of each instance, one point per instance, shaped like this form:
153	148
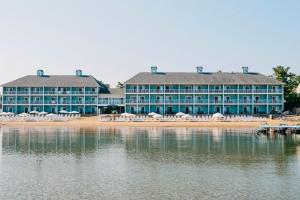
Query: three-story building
54	93
203	93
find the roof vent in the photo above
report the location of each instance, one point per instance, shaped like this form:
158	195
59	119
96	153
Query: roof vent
40	72
153	69
199	69
245	70
78	72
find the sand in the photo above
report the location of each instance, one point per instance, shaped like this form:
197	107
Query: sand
93	122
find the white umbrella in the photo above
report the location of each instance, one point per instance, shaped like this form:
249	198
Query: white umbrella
157	116
152	113
34	112
74	112
180	114
23	115
3	113
10	113
217	116
43	113
51	115
64	112
125	114
187	116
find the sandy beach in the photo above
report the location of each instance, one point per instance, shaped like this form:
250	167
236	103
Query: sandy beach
93	121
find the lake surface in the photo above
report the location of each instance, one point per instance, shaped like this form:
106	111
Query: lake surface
147	163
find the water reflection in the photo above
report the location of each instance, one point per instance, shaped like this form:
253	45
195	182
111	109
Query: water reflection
147	163
142	141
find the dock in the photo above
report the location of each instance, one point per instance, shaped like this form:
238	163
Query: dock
282	129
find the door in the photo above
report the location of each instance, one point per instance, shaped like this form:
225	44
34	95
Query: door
187	110
255	110
227	110
245	110
142	110
218	109
169	110
131	109
26	110
157	109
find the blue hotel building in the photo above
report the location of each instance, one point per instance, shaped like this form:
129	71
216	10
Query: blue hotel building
53	93
203	93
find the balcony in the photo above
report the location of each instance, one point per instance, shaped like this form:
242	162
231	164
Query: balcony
90	92
245	101
23	102
271	101
243	91
131	101
23	93
216	91
171	101
36	93
64	102
50	102
36	102
111	102
275	91
231	101
9	92
91	102
261	101
77	102
77	92
9	102
216	101
50	92
260	91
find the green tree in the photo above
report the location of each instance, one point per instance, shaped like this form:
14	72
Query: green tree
291	82
120	85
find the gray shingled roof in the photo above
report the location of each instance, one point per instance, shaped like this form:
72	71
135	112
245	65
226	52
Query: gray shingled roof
114	92
54	81
201	78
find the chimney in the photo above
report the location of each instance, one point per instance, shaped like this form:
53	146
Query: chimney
245	70
199	69
78	72
153	69
40	73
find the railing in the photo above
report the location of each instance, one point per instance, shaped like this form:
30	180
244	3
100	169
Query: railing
9	92
77	102
50	102
231	101
36	92
275	101
23	92
77	92
90	92
242	101
216	101
23	102
9	102
275	91
111	102
50	92
199	91
90	102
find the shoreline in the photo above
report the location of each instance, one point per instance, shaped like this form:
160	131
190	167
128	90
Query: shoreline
93	122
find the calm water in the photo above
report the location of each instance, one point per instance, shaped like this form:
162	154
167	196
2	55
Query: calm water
147	163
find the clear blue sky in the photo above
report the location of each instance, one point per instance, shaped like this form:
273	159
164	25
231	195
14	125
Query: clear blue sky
113	40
